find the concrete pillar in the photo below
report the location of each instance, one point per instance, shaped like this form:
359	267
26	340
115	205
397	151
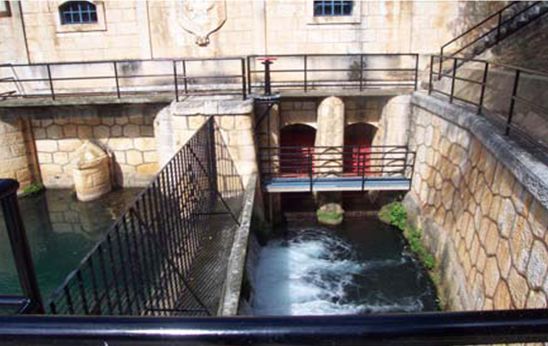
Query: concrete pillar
176	124
330	133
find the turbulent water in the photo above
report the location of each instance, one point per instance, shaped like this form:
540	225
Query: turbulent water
314	271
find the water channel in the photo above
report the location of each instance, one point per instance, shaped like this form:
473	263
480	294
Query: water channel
362	266
61	230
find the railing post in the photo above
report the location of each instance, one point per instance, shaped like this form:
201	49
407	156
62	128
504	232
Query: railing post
116	79
19	244
498	26
310	169
305	72
50	82
454	73
483	85
185	81
416	71
248	74
361	72
440	63
431	73
244	84
176	80
512	103
267	86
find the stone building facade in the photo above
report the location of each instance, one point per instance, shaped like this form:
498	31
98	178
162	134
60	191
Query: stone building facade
33	32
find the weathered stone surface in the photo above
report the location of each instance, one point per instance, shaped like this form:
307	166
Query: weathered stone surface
491	276
498	203
518	285
538	264
92	173
502	298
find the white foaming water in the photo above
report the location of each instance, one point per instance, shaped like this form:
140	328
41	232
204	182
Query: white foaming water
309	274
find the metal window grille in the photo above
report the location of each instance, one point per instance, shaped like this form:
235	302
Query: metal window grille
78	12
333	7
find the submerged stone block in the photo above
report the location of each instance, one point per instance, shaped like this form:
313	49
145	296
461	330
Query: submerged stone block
92	173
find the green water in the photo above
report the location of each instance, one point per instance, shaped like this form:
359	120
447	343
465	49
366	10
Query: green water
61	230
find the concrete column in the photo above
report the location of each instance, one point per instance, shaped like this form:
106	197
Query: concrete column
330	133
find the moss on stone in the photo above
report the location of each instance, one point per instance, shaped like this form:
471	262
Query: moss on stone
395	214
32	190
329	217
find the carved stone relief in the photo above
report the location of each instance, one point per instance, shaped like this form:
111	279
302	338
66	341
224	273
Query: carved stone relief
202	18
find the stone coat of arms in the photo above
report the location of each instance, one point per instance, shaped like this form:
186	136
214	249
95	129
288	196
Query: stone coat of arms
202	18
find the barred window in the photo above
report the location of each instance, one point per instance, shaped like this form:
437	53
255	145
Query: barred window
78	12
333	7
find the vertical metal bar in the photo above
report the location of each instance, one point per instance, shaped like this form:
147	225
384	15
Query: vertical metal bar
114	275
453	80
116	79
68	297
440	63
310	170
50	82
244	86
431	73
96	306
483	85
105	278
135	279
82	291
19	244
185	81
512	102
125	280
416	71
498	26
305	72
248	74
363	167
176	80
361	72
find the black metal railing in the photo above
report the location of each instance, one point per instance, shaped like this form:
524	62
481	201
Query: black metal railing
30	300
316	162
504	93
165	255
125	78
492	29
309	72
435	328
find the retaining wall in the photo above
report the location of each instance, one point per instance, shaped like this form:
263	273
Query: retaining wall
483	205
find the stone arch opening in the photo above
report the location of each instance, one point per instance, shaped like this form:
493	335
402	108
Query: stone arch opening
296	148
358	139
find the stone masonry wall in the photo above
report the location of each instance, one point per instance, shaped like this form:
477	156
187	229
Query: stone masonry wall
482	204
125	132
17	150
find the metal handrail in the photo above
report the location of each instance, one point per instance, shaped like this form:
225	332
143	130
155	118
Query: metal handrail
426	329
487	69
305	82
488	30
347	161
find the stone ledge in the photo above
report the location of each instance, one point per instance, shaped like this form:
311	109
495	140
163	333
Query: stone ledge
212	105
236	263
529	171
